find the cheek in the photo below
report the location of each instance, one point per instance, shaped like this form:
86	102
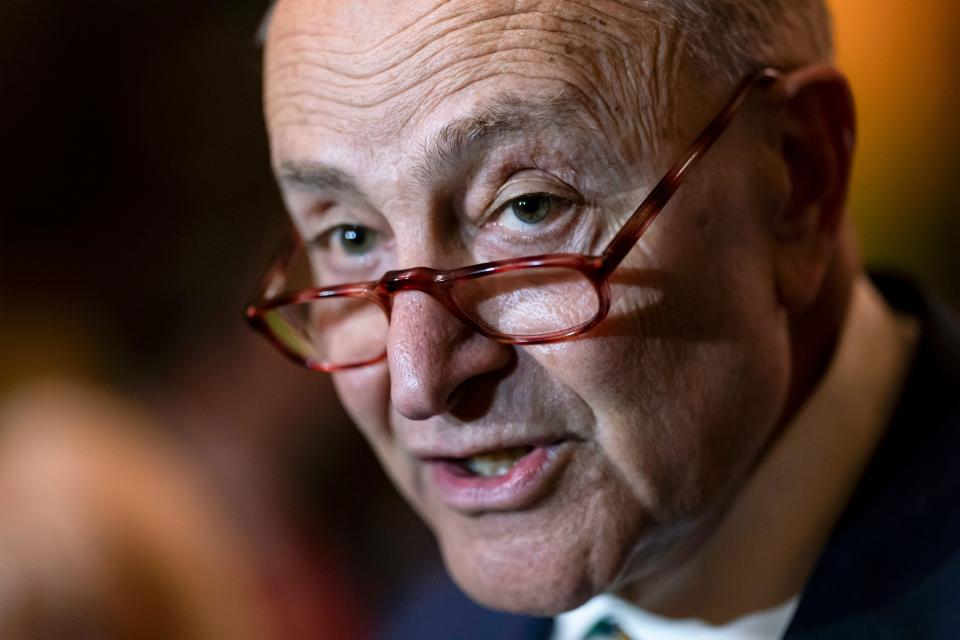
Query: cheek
365	394
685	378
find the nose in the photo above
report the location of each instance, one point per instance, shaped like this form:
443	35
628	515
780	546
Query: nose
433	356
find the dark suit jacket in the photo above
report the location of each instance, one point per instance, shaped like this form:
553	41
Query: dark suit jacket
891	568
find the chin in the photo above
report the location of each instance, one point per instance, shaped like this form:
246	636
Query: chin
537	568
520	586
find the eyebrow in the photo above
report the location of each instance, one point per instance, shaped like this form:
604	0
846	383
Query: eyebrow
459	143
318	177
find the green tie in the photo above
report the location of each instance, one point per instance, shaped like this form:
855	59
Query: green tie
606	629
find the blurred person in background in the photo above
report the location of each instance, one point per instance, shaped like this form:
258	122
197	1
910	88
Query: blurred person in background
106	531
696	414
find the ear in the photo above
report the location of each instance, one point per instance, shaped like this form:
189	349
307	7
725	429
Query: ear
817	127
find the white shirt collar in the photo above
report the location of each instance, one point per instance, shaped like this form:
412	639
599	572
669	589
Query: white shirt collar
642	625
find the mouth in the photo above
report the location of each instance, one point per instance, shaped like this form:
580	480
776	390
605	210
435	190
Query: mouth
505	479
492	464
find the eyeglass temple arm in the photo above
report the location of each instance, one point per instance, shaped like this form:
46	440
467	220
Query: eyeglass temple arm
647	212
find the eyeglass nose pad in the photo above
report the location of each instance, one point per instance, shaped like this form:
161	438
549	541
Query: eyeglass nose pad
431	353
420	279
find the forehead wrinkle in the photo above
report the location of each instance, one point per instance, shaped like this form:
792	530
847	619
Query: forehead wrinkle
587	97
319	82
374	46
384	57
384	74
612	57
569	100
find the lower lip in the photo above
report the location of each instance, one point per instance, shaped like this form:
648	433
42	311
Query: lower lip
526	482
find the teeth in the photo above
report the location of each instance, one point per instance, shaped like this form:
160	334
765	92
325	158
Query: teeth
495	463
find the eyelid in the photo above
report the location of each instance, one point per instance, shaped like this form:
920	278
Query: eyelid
532	185
319	237
320	221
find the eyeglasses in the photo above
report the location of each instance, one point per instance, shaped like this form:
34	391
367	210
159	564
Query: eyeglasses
530	300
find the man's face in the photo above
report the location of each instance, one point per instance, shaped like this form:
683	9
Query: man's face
548	473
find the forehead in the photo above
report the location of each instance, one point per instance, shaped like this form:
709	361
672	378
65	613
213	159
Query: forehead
379	73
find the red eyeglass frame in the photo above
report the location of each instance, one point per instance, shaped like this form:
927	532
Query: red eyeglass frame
438	284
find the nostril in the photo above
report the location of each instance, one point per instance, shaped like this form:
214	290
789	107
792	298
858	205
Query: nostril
454	398
473	398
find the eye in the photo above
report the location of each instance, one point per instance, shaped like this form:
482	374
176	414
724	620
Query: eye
354	239
531	210
346	240
347	252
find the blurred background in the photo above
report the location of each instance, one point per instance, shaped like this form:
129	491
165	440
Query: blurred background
158	462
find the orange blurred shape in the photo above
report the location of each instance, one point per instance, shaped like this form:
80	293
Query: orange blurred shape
106	530
901	58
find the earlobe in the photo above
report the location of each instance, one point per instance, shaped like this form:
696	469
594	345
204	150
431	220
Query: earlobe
816	133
